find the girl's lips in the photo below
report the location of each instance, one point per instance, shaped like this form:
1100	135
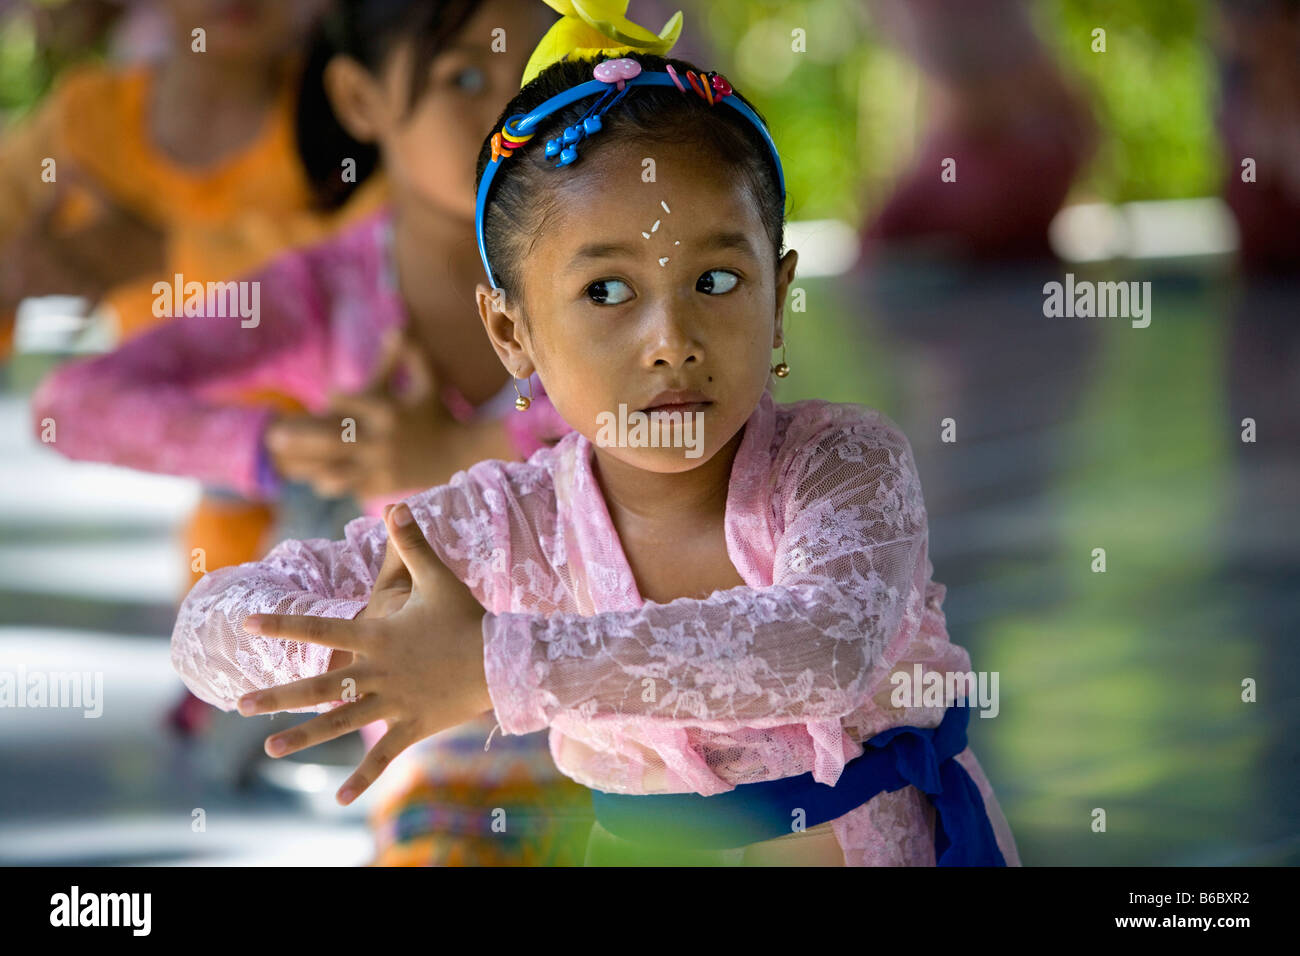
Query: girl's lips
684	408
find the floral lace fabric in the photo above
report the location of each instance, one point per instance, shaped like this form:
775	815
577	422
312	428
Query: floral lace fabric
788	674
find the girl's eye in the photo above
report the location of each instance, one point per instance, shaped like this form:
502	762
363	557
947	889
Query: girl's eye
600	291
470	80
713	286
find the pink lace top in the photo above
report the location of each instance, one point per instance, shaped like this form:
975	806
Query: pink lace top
824	523
169	401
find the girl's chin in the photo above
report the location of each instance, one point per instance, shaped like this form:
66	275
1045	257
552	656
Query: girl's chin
664	440
663	461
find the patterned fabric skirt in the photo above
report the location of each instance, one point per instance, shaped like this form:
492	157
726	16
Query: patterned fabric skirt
451	803
525	824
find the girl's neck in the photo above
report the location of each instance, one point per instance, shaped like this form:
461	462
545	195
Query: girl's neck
666	500
202	108
418	226
436	262
430	273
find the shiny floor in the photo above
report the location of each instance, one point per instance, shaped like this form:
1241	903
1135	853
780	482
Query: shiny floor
1120	692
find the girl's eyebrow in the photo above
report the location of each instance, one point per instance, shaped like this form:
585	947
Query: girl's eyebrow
737	241
467	49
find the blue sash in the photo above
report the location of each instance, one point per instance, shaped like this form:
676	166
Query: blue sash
753	812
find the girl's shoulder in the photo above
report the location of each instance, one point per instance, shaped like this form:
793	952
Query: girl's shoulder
843	456
812	429
531	484
358	248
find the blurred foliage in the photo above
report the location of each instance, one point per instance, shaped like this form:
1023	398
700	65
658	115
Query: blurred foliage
1153	92
845	113
41	38
22	77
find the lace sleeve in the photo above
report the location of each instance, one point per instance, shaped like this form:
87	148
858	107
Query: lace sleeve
219	661
166	400
812	647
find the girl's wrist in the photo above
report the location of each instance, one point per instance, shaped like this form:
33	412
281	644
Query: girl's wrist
267	476
484	702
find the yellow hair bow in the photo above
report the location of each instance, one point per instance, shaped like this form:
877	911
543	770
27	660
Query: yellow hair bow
591	29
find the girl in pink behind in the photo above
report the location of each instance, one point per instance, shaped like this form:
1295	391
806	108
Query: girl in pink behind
683	625
374	325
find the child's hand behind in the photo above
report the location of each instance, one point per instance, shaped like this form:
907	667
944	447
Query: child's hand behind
404	438
419	666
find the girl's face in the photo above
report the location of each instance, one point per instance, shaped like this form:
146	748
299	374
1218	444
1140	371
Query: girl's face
429	148
635	289
249	30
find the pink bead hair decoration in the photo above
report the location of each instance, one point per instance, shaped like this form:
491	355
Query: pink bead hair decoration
617	71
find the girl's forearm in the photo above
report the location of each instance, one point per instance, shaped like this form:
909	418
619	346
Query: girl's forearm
744	657
86	412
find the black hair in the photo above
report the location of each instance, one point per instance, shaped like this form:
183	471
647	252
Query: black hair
522	198
368	31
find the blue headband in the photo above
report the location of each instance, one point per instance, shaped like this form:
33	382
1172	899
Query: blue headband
619	76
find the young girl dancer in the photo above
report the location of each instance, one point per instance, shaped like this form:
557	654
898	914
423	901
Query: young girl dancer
703	628
393	294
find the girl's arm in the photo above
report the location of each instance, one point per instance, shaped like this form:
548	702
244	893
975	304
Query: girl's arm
220	661
166	401
849	579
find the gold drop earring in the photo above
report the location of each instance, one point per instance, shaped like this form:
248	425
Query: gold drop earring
522	402
780	369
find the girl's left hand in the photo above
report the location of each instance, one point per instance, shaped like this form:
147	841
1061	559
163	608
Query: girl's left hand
420	668
402	436
404	431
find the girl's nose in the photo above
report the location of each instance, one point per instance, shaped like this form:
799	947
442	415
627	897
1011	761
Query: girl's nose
671	341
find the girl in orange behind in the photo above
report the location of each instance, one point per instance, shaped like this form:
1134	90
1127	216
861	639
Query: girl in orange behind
374	324
127	175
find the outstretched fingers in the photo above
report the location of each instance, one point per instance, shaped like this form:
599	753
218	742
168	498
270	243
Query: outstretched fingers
308	692
398	738
332	632
336	723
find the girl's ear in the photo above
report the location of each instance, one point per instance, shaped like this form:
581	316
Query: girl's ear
356	97
784	276
502	321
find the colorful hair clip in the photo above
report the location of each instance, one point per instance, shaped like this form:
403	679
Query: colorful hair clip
616	71
614	74
498	148
511	136
508	139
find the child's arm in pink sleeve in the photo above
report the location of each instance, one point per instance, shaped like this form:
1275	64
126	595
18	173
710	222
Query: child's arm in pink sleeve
220	662
849	575
164	402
